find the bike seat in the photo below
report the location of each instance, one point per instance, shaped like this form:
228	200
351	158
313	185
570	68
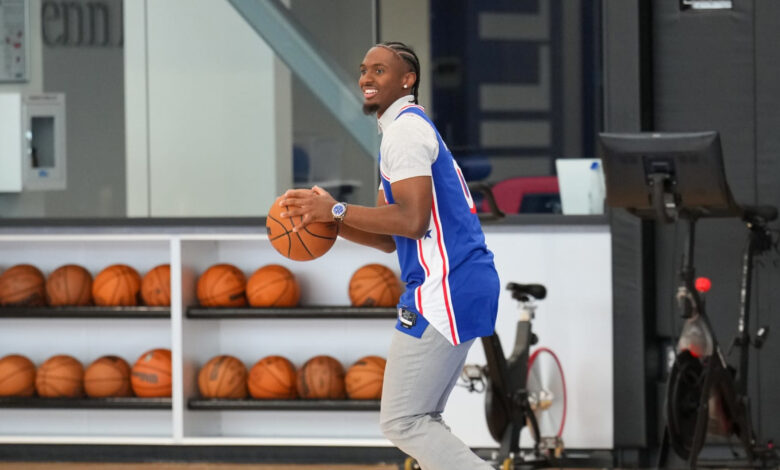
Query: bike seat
524	292
759	213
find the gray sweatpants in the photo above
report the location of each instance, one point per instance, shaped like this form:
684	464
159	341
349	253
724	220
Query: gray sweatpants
419	377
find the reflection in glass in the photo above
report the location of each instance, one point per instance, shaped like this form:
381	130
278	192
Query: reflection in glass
41	142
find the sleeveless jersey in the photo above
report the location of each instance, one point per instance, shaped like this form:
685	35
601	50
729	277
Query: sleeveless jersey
451	282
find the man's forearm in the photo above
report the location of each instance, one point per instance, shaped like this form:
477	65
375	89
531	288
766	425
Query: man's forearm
374	240
390	219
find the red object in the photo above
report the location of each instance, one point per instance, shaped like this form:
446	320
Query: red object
509	193
693	352
703	284
531	360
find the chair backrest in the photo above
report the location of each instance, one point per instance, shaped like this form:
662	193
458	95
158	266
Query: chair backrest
509	193
301	172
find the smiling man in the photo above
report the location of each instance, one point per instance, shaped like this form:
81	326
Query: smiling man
424	211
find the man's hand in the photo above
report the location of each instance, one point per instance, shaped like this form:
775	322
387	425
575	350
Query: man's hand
312	205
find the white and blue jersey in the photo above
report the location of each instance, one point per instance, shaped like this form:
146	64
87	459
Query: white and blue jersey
451	282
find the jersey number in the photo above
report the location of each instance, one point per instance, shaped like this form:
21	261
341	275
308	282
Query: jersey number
465	188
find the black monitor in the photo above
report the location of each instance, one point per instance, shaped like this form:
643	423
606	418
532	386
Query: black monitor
667	175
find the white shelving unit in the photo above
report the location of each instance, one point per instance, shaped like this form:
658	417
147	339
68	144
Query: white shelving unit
86	339
575	320
193	341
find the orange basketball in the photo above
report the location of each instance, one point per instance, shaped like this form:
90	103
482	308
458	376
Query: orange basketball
156	286
322	377
222	285
60	376
374	285
69	285
116	285
108	376
23	286
273	286
364	378
310	243
151	374
223	377
273	377
17	376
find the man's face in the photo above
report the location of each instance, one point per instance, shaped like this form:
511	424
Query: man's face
382	78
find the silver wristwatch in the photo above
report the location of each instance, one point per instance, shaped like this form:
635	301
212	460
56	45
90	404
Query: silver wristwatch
339	210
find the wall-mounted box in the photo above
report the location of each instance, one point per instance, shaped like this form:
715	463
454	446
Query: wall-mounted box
32	142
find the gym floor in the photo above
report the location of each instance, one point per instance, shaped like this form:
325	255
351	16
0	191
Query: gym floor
181	466
188	466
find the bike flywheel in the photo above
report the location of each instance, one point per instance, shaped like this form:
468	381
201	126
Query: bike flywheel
547	392
682	402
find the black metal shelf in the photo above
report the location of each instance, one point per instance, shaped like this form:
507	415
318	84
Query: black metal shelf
85	312
282	405
312	312
121	403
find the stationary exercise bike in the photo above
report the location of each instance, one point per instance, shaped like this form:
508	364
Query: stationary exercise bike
523	390
669	177
705	395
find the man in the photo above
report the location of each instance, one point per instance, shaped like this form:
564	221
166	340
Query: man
425	211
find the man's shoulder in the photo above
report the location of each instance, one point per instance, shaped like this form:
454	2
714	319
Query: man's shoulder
409	121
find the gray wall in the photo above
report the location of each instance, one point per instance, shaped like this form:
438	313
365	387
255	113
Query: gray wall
718	71
92	78
625	77
712	70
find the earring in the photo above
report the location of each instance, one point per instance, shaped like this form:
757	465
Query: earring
406	86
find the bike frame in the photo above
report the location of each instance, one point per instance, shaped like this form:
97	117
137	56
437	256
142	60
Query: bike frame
716	373
507	377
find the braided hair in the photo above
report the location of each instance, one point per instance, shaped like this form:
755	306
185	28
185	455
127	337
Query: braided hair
407	54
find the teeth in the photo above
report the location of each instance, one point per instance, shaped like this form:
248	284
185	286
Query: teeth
369	92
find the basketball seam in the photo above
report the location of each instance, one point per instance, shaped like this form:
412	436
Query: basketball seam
369	289
154	368
235	388
166	293
18	371
57	390
276	376
114	293
223	292
149	386
317	235
86	292
106	379
268	391
67	289
143	387
260	288
281	294
215	282
220	374
128	288
69	379
303	244
286	232
24	291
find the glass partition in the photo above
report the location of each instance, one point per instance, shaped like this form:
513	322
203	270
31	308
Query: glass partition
178	108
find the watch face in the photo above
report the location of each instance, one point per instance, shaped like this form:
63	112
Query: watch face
338	209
